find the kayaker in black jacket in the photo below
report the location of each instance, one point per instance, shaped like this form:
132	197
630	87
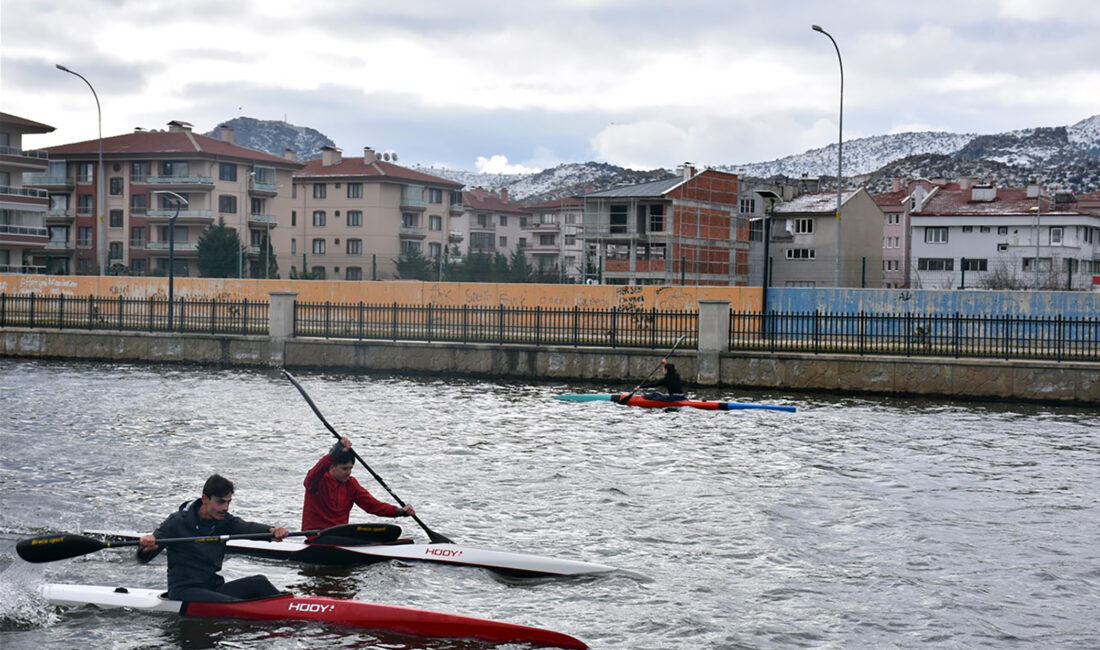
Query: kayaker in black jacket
193	567
670	381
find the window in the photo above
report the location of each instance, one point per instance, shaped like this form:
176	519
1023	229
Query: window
547	240
84	204
84	237
435	196
139	172
256	206
656	218
983	228
318	247
570	240
1056	236
503	220
227	203
893	218
293	217
319	218
801	254
409	245
114	250
137	267
968	228
1002	247
435	250
935	264
522	243
355	218
293	245
355	246
481	241
317	272
435	222
84	172
355	191
803	226
1002	230
173	168
503	241
409	220
116	218
618	214
935	235
353	272
975	265
115	186
137	237
747	206
319	191
484	220
227	172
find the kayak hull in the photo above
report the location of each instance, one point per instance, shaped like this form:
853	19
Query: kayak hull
520	565
628	399
336	611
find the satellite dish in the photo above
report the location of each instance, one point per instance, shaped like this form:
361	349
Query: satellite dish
394	156
385	155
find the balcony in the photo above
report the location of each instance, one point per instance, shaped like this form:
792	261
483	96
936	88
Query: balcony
181	182
22	269
19	158
256	188
265	219
455	236
180	246
59	245
51	182
456	208
483	227
186	216
544	227
412	198
408	232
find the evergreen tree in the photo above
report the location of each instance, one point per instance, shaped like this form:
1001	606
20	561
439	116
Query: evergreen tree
412	265
501	271
518	270
219	251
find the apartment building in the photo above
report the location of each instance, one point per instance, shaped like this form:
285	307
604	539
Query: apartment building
554	232
684	230
23	235
976	235
156	180
492	223
352	218
896	205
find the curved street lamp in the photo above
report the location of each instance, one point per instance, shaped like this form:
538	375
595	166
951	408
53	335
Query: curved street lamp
101	233
839	149
179	200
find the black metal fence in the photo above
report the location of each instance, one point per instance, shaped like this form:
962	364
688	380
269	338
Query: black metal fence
952	335
529	325
134	314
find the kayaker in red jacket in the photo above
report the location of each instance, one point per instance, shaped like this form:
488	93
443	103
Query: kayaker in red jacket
331	491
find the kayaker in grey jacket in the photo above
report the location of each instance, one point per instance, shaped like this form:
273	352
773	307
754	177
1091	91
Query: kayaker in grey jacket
193	568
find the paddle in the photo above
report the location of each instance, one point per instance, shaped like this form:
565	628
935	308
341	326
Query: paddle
659	365
432	535
50	548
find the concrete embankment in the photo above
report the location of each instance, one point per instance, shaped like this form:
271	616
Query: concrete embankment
1063	382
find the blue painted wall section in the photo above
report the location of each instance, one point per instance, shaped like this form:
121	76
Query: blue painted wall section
1044	304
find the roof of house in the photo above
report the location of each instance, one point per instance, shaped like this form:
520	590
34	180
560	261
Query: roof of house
653	189
815	203
952	200
890	199
565	202
161	143
378	170
482	199
24	125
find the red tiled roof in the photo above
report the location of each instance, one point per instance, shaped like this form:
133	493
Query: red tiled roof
890	199
181	143
378	170
479	199
951	200
25	125
570	202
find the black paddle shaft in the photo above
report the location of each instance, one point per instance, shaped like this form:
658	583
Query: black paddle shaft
50	548
432	535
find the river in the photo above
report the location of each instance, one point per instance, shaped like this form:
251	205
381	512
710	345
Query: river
855	522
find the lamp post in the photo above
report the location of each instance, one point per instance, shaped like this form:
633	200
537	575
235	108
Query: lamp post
101	233
179	200
839	149
1038	213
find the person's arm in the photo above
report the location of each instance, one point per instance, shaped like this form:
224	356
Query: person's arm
149	549
314	476
365	500
237	526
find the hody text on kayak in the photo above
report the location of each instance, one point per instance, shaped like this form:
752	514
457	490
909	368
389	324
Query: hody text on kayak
316	608
442	552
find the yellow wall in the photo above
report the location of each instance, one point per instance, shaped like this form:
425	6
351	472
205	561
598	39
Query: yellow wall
436	293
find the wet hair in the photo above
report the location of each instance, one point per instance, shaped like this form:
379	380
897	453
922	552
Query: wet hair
217	486
670	367
341	456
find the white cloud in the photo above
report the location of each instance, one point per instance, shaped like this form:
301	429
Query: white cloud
498	164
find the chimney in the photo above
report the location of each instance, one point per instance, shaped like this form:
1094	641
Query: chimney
330	156
983	192
369	156
687	170
896	185
179	125
964	182
504	194
225	132
588	188
290	154
1032	189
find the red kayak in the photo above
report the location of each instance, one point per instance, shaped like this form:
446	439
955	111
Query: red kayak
632	399
337	611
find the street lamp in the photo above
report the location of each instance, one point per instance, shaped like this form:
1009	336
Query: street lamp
839	149
101	233
179	200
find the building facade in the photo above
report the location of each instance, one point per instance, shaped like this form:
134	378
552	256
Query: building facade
353	218
156	181
556	228
23	234
685	230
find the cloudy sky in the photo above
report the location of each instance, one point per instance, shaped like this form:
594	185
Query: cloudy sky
510	85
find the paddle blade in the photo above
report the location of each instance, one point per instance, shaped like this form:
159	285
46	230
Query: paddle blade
51	548
593	397
741	406
379	533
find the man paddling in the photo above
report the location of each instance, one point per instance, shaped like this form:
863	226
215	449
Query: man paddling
671	382
331	491
193	568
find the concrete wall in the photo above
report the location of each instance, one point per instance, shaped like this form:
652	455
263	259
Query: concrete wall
939	377
1069	304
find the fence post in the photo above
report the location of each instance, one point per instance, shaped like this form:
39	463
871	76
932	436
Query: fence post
713	330
815	331
500	323
244	317
362	318
429	322
121	306
281	324
465	332
538	325
61	312
3	309
576	325
393	321
614	325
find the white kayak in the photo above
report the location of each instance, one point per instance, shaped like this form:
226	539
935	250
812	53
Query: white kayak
513	564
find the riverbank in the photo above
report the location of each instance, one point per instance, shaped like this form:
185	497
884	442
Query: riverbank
982	379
